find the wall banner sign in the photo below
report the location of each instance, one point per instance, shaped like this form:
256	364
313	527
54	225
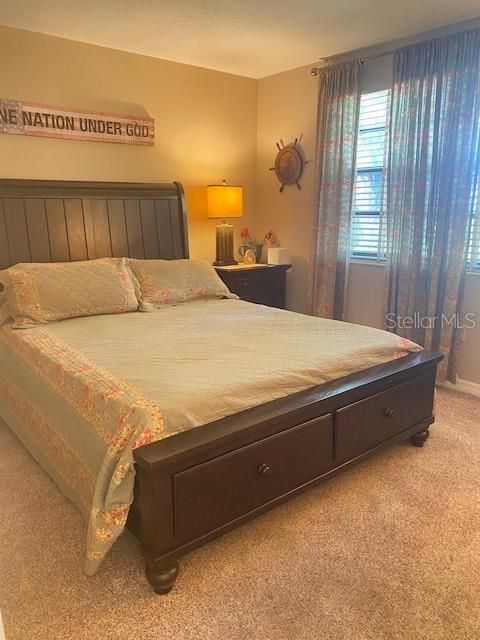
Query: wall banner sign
31	119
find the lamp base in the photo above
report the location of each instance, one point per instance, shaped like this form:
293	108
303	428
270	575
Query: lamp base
224	242
224	263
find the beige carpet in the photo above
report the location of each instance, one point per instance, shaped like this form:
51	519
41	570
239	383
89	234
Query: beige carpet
389	549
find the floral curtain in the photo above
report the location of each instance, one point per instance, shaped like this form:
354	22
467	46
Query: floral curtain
432	176
337	121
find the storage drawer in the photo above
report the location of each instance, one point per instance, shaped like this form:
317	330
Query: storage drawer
365	424
260	290
247	288
262	285
216	492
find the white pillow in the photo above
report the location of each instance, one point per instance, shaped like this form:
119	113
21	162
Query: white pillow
167	282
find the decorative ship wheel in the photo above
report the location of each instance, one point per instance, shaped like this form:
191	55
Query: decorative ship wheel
289	163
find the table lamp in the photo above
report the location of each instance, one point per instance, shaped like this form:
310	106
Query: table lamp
224	201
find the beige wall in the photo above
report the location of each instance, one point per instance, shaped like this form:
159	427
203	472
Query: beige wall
469	353
365	294
365	306
286	109
287	105
205	120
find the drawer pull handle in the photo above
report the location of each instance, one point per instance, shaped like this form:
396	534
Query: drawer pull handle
263	469
388	413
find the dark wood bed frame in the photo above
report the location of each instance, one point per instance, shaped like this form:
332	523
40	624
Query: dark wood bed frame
194	486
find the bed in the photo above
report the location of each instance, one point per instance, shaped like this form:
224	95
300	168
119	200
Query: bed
245	406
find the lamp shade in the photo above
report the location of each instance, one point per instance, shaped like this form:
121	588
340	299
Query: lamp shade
224	201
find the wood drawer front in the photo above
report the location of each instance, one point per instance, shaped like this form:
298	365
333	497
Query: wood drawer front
216	492
247	288
262	286
365	424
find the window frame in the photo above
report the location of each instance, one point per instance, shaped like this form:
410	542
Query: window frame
367	256
380	256
473	266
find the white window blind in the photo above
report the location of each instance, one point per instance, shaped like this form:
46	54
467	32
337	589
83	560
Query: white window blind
367	239
368	233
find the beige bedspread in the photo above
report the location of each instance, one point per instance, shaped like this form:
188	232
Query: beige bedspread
82	393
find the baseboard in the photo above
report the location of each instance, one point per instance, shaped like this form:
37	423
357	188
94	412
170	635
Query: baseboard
465	386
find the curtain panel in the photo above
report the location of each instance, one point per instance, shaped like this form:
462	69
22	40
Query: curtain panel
337	122
432	177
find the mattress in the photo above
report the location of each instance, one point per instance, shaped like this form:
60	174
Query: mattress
83	393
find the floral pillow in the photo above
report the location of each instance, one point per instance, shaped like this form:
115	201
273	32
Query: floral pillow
166	282
37	293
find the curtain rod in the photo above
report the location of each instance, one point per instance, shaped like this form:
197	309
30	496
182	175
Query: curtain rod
466	25
314	71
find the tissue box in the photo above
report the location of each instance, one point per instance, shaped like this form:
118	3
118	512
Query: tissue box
278	255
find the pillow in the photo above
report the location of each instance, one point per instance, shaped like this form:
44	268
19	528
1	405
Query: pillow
44	292
165	282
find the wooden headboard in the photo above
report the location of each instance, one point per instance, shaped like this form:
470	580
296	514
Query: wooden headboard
43	221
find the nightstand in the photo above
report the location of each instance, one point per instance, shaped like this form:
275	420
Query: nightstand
260	283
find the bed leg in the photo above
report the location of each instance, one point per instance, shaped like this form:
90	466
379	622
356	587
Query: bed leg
419	439
161	574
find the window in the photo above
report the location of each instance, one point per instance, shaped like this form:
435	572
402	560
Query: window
474	248
368	233
368	196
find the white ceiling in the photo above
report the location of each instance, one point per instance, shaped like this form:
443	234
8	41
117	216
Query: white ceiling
254	38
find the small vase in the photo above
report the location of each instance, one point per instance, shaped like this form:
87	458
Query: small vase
256	247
